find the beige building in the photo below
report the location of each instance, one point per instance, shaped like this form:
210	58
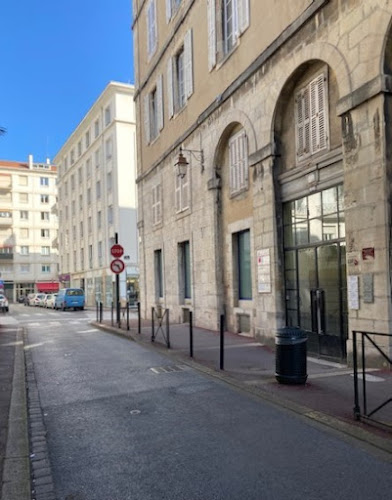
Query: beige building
28	228
97	197
282	215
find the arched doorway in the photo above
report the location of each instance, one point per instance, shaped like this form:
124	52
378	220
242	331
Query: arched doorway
310	206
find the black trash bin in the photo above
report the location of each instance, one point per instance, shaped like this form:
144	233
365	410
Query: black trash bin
290	343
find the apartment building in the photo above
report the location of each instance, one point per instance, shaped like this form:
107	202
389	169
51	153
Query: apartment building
264	165
97	197
28	228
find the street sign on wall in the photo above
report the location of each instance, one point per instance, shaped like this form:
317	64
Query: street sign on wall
117	266
117	250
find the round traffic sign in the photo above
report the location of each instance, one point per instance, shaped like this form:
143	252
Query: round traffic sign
117	266
117	250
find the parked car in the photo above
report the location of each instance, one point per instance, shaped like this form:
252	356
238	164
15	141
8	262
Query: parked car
50	300
4	303
70	297
29	297
42	300
36	299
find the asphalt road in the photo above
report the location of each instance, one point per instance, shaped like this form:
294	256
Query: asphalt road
124	423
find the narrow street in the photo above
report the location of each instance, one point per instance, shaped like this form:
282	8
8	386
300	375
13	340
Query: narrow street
124	423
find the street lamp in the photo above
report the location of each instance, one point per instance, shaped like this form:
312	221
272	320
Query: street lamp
182	163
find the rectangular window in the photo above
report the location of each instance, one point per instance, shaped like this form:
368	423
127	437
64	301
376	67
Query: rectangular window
244	272
72	157
66	188
108	116
82	258
152	31
80	175
96	128
182	192
100	253
153	111
185	269
171	8
24	250
97	156
90	256
88	168
179	100
110	215
45	268
81	229
45	250
89	225
109	181
22	180
45	216
311	116
89	196
109	148
44	198
44	181
72	182
180	76
25	268
158	273
238	152
87	139
99	220
45	233
23	198
98	190
157	204
73	207
79	148
24	214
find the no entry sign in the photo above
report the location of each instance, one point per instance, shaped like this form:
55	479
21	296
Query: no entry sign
117	266
117	250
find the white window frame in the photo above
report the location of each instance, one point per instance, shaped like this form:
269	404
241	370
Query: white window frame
45	268
109	148
182	192
311	117
216	14
157	204
153	111
45	250
238	161
24	250
172	7
174	81
44	181
152	28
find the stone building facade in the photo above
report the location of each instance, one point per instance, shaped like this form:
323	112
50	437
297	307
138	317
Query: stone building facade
283	216
97	197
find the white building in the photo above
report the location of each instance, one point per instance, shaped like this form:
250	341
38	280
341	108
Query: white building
97	197
28	227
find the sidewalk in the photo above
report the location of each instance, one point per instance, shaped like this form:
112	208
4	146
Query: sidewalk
327	396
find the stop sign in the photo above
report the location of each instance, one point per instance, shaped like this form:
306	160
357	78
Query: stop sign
117	250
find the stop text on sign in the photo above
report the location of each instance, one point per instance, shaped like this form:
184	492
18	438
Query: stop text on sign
117	250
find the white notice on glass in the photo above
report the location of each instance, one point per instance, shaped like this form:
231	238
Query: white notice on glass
353	292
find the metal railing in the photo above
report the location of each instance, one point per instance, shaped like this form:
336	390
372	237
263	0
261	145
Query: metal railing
364	413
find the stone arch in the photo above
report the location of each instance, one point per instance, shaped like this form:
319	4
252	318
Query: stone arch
229	121
386	55
324	52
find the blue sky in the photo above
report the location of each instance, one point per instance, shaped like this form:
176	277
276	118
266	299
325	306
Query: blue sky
56	58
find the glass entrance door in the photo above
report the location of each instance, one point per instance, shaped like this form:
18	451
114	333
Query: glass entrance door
315	272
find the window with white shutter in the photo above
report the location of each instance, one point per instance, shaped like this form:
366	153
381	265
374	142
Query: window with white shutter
229	18
157	204
153	111
152	33
311	117
180	76
238	157
171	8
182	188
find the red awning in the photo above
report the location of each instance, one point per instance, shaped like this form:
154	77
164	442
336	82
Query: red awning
47	287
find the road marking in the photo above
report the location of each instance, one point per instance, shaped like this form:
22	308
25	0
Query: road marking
8	320
88	331
168	369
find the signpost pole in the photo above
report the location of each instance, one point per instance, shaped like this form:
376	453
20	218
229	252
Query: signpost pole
117	290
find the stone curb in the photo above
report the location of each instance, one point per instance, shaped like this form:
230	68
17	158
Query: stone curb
16	473
42	487
315	416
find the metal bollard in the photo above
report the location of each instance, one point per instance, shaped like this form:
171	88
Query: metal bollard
152	325
190	334
168	328
222	340
100	312
112	312
139	330
127	315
